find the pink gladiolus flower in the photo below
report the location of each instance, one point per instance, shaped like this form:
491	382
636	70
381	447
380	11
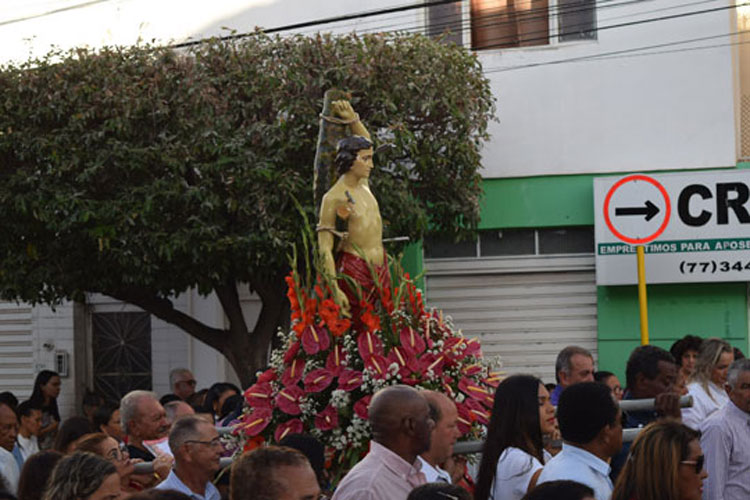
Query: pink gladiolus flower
336	360
257	420
412	341
293	426
361	407
315	339
369	345
293	373
472	389
291	353
317	380
327	419
350	379
289	398
259	395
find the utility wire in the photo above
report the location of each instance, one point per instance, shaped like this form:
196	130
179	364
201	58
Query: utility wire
51	12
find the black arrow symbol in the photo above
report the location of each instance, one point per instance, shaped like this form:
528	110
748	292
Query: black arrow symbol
649	210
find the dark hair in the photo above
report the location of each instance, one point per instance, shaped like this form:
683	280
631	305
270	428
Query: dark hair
70	430
168	398
231	404
35	473
9	399
346	152
738	353
102	416
25	409
38	397
196	400
559	490
514	422
253	473
154	494
602	376
91	442
645	359
685	344
311	448
214	393
583	410
438	491
91	398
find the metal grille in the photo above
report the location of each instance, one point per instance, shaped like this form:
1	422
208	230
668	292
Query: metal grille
16	349
121	353
745	127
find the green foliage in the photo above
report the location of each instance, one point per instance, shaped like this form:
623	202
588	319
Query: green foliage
150	168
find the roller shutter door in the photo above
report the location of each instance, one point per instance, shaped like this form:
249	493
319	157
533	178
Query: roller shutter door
16	349
523	315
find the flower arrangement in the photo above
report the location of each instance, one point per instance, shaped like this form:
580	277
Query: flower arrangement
329	366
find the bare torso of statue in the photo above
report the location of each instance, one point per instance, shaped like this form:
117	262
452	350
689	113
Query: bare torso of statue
351	200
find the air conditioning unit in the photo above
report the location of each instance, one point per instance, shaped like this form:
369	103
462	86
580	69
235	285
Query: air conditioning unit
62	363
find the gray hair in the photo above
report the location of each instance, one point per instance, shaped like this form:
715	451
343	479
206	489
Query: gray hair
129	406
739	366
175	374
171	409
562	364
184	429
78	476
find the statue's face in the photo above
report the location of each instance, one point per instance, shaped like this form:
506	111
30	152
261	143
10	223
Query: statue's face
362	164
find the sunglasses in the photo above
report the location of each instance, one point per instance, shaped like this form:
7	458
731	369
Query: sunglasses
698	463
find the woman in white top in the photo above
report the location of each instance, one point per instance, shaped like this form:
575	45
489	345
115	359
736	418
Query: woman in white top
513	453
707	385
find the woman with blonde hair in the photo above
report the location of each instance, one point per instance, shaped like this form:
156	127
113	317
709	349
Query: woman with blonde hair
117	454
665	463
707	385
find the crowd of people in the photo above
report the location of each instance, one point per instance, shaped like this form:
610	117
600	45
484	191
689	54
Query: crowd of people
543	442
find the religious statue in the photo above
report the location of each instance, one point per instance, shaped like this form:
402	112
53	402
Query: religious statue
351	202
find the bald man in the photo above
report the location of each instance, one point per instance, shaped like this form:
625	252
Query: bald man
443	411
401	426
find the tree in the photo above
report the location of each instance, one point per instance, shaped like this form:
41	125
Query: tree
142	172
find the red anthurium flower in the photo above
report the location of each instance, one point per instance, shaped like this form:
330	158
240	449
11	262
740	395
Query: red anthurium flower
493	379
293	426
255	421
315	339
289	398
361	406
327	419
465	418
291	353
432	362
378	364
317	380
411	340
473	347
472	370
369	345
259	395
480	413
267	376
293	373
406	361
350	379
472	389
455	348
336	360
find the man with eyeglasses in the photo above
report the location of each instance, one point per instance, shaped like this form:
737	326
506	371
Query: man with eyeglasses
182	382
197	449
725	439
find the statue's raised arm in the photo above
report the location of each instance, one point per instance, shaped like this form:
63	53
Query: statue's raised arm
350	200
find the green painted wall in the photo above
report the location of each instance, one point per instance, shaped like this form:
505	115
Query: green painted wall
719	309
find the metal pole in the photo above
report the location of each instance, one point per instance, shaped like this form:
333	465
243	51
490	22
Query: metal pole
642	301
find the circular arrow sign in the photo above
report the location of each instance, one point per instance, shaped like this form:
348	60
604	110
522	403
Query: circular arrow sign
637	209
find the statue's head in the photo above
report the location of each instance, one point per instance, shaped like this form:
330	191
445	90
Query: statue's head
346	152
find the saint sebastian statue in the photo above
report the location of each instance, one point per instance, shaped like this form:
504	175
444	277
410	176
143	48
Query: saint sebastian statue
350	200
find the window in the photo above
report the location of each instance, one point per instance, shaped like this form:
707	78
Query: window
445	19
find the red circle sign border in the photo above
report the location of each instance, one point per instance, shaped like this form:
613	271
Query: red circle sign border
608	198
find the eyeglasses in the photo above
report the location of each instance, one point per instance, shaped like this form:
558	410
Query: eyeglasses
698	463
119	454
214	442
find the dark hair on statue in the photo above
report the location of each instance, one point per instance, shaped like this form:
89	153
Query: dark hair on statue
685	344
560	490
585	409
514	422
346	152
645	359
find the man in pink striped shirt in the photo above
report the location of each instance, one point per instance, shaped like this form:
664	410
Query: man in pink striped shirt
401	426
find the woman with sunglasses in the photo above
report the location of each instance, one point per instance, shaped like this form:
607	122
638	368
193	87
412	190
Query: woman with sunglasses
665	463
513	453
116	453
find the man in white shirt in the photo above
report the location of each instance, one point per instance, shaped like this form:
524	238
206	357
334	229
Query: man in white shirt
30	421
591	427
725	439
443	411
8	431
197	448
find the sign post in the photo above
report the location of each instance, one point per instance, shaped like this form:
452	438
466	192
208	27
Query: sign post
642	300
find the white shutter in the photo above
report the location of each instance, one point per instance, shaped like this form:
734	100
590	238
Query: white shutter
524	316
16	349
